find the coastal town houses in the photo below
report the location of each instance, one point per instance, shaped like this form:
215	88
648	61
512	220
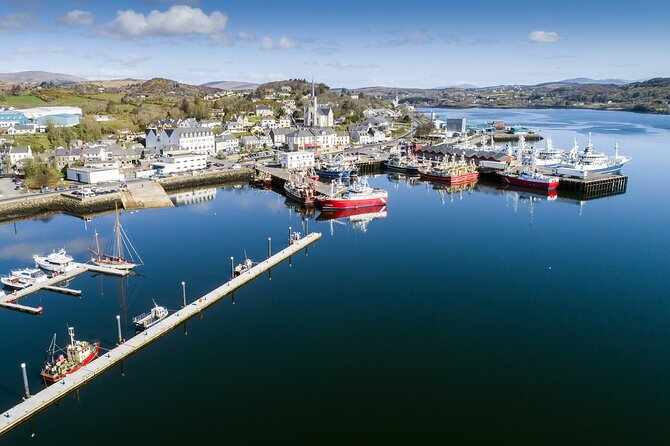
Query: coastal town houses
226	143
279	135
16	154
311	138
67	157
342	139
318	115
284	121
269	123
250	142
234	126
194	139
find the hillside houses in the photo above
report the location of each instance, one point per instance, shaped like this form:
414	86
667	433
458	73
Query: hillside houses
198	140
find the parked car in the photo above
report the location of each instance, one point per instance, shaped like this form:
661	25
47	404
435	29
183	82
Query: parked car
74	186
61	188
45	190
236	166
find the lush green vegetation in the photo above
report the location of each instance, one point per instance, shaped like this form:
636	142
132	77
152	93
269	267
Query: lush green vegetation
39	174
22	101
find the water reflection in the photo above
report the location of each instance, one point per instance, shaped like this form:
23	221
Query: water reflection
358	218
194	196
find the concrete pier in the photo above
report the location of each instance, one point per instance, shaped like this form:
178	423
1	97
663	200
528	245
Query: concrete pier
41	400
9	300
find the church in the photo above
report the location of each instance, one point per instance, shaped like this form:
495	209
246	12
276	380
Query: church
318	116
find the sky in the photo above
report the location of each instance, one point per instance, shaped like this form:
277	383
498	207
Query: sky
342	43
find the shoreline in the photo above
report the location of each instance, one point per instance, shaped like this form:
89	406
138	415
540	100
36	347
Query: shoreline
512	107
35	206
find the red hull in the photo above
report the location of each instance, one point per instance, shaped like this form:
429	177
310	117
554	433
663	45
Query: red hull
460	179
91	357
544	185
339	203
344	213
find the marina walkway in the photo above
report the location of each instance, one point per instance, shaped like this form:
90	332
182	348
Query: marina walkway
9	300
41	400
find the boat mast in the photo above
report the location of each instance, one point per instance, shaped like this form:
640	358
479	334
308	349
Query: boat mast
117	234
70	331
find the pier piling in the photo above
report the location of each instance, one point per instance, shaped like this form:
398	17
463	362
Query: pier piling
26	389
232	268
183	294
118	328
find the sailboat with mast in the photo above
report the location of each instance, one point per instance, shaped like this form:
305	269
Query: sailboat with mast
117	259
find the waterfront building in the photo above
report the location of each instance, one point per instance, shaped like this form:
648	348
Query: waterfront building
94	173
226	143
279	135
193	139
295	160
456	125
179	161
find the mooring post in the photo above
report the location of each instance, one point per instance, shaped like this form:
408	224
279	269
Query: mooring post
26	390
232	268
183	294
289	235
118	328
269	247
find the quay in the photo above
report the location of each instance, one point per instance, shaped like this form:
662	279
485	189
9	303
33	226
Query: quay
41	400
9	300
283	175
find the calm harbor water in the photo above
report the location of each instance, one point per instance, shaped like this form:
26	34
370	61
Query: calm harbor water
487	315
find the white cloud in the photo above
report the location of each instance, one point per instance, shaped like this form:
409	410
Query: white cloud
541	36
345	66
409	39
267	43
286	43
77	17
178	20
16	22
246	37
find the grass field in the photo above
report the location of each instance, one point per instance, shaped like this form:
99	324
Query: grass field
23	101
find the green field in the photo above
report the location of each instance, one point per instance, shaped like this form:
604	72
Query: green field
22	101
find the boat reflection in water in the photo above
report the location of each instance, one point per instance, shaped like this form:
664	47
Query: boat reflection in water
396	178
359	218
456	190
300	209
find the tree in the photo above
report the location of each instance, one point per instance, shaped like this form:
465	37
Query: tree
111	107
423	130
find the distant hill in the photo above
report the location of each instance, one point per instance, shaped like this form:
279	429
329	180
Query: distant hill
159	85
38	77
461	86
585	81
231	85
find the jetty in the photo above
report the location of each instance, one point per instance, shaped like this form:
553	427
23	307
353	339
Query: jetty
8	301
283	176
34	404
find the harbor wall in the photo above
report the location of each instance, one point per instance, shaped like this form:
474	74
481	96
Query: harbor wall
35	206
205	179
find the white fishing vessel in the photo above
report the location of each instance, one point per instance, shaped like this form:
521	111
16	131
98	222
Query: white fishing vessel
117	259
57	262
581	162
146	320
548	156
21	278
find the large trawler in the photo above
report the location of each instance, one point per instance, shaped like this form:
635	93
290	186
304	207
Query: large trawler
530	178
302	192
402	164
451	172
357	195
581	162
57	262
77	355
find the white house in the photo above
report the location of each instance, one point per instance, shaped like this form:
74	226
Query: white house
300	139
279	135
19	129
284	121
181	161
361	137
342	138
16	154
94	153
234	126
295	160
94	173
269	123
264	110
226	143
250	142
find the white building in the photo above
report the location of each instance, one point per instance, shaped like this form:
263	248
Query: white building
342	138
181	161
269	123
226	143
318	116
284	121
264	110
95	173
22	129
295	160
40	112
16	154
192	139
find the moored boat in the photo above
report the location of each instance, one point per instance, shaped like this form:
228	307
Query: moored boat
116	259
451	172
21	278
77	355
398	163
582	162
146	320
243	267
530	178
358	195
301	192
57	262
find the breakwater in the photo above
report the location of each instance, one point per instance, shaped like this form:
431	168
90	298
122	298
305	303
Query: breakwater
205	179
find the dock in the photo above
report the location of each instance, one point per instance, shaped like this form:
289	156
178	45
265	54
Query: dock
283	176
9	300
144	194
43	399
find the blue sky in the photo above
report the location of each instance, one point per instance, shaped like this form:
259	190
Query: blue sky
342	43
